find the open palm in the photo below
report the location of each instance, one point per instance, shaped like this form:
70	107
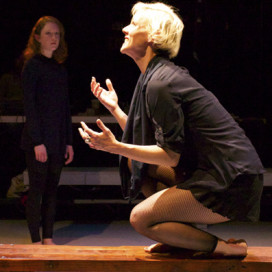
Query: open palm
107	97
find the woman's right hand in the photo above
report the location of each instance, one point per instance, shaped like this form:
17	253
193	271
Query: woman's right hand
108	98
40	153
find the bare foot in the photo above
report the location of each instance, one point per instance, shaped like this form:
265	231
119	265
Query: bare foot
159	248
37	243
48	241
224	249
231	248
164	249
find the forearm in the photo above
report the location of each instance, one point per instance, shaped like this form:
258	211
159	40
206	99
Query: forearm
120	116
151	154
106	141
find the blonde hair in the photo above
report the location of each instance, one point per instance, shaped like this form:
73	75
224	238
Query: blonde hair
163	24
33	46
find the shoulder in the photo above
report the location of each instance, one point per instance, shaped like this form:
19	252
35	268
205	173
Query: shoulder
32	64
168	71
170	74
172	78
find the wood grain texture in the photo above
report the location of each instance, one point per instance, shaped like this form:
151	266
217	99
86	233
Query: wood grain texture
123	258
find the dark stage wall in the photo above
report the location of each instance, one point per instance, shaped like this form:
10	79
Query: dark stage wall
225	46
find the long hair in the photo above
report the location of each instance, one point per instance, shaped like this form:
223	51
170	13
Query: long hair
33	46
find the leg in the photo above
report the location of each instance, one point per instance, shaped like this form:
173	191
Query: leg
50	197
166	215
37	178
159	177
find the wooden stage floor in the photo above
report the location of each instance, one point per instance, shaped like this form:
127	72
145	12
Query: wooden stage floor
124	258
115	246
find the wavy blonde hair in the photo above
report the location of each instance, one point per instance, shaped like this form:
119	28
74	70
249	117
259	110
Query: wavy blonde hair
163	24
33	46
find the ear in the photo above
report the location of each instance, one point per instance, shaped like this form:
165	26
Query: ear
37	37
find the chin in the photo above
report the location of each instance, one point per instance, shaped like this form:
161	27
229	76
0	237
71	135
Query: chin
123	51
122	48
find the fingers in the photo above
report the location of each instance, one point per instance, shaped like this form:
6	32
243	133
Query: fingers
69	155
68	161
83	134
41	158
109	85
40	153
86	134
86	130
101	125
97	89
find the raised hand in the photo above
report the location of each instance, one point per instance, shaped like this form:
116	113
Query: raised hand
108	98
104	140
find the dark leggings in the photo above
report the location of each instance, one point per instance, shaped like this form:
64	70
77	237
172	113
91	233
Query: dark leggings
42	195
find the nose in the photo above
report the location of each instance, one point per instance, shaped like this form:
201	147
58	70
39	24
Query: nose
54	36
125	30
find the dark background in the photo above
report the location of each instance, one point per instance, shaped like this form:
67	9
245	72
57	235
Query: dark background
226	46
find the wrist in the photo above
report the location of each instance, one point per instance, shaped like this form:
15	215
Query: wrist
114	110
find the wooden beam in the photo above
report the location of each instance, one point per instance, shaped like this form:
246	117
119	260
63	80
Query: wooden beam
123	258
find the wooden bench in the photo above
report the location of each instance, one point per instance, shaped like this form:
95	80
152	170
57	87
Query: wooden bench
123	258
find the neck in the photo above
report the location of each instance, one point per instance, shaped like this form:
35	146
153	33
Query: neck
47	54
142	62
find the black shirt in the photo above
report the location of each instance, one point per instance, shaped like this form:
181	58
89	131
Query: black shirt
171	109
46	104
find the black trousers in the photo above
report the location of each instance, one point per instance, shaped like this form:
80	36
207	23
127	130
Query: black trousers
42	195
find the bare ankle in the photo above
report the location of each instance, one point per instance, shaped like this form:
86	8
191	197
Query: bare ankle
37	243
48	241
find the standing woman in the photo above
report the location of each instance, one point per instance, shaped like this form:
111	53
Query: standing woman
47	134
177	134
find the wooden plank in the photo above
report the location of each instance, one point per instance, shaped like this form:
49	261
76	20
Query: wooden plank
123	258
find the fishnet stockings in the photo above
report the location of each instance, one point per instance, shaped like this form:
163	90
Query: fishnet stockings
167	215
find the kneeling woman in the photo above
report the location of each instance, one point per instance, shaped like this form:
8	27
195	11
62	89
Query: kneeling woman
179	136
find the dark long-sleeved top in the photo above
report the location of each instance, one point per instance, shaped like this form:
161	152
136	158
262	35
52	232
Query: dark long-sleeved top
171	109
46	104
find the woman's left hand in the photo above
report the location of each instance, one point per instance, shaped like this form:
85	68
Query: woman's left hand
104	140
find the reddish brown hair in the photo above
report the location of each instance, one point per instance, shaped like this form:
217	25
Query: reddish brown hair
33	46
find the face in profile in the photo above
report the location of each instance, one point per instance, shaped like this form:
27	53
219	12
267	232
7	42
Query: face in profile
49	39
136	38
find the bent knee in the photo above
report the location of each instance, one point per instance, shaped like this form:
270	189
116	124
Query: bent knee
135	218
138	220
